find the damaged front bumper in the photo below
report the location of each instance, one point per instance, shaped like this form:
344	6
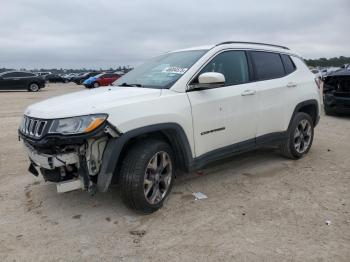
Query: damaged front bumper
336	91
337	102
72	162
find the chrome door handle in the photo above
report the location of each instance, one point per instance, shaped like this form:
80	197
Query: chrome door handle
291	84
248	92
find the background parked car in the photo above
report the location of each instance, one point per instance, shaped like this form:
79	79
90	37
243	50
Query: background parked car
21	80
103	79
53	78
336	92
69	77
81	78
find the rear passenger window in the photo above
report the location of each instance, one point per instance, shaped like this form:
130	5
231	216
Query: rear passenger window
232	64
267	65
10	75
288	64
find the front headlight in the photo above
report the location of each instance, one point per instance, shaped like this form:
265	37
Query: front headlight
77	125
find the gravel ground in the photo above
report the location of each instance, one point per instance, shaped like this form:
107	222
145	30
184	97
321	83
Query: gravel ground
260	206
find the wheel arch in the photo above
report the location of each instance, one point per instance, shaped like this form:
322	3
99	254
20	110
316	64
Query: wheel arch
309	107
116	149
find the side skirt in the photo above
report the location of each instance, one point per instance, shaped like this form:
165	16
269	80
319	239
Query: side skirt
238	148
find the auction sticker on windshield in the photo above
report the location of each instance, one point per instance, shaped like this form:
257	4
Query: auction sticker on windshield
175	70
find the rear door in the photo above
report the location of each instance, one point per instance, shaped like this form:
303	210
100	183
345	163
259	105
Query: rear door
226	115
271	85
25	79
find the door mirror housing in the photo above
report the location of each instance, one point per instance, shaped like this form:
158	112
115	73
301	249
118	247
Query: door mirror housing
210	80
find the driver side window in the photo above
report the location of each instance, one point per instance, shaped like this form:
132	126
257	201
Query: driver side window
232	64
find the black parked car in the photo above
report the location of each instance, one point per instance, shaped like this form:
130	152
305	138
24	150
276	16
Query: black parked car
53	78
21	80
82	77
336	92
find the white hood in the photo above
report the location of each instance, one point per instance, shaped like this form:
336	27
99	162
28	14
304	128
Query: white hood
89	101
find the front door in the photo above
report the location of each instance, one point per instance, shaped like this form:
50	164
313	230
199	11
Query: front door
226	115
10	81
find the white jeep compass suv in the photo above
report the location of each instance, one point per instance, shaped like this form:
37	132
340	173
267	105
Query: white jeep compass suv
178	111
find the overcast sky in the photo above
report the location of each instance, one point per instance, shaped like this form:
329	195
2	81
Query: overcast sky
108	33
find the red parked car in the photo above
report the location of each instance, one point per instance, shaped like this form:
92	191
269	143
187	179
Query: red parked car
103	79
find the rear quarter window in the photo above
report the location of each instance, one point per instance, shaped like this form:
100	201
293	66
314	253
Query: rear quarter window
289	66
267	65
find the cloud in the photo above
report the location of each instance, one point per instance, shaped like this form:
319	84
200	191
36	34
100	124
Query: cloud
93	34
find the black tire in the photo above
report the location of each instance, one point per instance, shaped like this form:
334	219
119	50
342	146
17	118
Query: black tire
329	111
33	87
133	172
95	85
288	148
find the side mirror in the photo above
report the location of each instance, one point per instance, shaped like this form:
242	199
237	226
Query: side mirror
210	80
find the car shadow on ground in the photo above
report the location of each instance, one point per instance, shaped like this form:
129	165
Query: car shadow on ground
22	91
340	116
44	199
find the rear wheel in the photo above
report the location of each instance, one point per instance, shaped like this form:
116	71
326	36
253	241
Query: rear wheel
299	137
33	87
147	175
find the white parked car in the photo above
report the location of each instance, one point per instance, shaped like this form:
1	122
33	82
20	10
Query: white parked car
178	111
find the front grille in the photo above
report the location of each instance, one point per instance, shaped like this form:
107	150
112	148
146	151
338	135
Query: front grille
33	127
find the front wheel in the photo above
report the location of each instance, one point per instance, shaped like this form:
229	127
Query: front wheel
147	175
96	85
299	137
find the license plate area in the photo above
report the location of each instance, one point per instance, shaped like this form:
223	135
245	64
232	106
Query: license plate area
51	161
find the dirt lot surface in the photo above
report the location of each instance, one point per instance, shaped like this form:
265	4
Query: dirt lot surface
260	206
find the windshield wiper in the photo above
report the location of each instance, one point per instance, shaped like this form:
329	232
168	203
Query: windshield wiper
134	85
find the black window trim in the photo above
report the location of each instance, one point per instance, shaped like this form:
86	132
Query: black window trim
251	66
9	73
284	65
26	74
279	54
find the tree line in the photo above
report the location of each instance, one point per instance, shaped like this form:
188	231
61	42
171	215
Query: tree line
324	62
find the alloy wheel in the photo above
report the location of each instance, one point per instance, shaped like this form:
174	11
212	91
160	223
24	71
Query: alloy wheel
302	136
34	87
157	178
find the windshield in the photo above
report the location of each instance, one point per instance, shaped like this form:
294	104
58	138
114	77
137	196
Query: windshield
162	71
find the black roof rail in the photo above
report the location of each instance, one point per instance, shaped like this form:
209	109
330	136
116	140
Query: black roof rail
252	43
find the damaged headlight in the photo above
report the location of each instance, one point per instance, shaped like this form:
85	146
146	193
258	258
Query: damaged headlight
77	125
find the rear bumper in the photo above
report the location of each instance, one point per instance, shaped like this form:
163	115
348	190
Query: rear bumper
42	84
